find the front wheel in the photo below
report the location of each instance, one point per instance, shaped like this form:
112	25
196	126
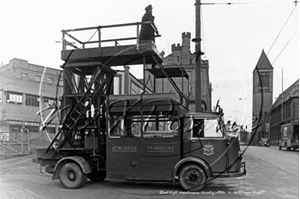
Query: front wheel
71	176
192	178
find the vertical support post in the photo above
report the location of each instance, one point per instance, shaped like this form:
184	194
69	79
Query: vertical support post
182	81
282	95
144	75
28	141
63	41
99	38
198	61
22	140
137	37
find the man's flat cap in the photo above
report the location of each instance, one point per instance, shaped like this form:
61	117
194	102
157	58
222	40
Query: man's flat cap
148	7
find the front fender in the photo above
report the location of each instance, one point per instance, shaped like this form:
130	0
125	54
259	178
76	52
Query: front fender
84	165
191	160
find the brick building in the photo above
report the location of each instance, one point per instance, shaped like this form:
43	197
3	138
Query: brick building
181	56
26	88
262	96
285	110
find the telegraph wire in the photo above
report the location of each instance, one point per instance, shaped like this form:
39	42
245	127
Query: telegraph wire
285	46
245	3
282	29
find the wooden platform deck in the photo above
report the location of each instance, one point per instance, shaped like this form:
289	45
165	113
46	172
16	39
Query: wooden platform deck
112	55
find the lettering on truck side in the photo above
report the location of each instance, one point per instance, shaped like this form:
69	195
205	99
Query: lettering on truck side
160	148
124	149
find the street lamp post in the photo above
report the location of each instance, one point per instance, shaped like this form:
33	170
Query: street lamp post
198	52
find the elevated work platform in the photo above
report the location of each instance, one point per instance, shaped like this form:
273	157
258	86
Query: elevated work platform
115	55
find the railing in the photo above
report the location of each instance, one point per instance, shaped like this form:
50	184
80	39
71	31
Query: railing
67	33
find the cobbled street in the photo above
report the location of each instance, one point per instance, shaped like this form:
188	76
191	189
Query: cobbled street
270	174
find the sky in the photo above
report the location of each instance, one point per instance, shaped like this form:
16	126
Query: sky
233	37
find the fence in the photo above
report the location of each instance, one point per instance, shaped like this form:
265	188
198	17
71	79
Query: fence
14	143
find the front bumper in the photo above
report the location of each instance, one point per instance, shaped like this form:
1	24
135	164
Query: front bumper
240	173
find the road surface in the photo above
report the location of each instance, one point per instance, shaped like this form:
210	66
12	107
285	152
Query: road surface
270	174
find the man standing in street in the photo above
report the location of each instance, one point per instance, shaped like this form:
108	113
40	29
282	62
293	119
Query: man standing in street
147	31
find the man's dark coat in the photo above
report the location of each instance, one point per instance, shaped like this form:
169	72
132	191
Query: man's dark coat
147	32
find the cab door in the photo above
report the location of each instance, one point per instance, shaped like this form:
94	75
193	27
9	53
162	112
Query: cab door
206	141
121	151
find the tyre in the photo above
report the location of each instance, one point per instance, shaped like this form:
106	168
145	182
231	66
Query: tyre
192	178
279	147
97	176
288	148
71	176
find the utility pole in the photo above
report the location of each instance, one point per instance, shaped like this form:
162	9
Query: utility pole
282	95
198	52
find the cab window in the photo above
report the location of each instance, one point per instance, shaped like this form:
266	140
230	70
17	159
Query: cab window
206	128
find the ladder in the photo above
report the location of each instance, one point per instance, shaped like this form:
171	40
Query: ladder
83	105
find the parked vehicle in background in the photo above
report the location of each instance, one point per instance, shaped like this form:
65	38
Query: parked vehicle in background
264	142
289	137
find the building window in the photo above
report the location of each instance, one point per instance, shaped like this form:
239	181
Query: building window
33	127
37	78
14	98
15	126
50	80
32	100
48	102
50	128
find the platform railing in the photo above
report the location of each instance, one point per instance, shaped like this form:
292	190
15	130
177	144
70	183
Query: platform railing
67	34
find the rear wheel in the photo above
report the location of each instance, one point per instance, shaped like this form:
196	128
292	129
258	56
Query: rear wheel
288	148
192	178
279	147
97	176
71	176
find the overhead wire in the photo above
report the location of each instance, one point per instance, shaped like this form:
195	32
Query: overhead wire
245	3
282	29
285	46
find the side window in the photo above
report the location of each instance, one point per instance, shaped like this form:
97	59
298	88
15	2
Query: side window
155	126
206	128
119	127
212	128
198	128
133	125
116	127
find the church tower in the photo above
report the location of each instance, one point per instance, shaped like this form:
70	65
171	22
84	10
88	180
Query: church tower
262	95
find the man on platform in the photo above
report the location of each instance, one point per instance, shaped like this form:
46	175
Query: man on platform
147	31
